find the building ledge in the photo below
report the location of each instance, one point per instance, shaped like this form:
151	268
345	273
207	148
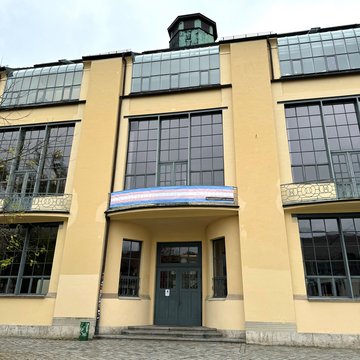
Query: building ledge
42	105
178	90
337	73
173	216
22	296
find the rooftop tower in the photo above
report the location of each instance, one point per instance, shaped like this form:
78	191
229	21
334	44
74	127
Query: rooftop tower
191	29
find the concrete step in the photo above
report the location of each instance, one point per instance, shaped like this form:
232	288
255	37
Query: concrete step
171	338
178	333
170	328
172	333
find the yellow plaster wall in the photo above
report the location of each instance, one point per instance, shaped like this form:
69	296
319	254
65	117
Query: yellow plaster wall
2	82
327	317
76	295
322	316
229	229
55	271
305	89
225	314
180	102
82	255
73	158
318	87
125	312
21	311
264	251
275	58
317	316
225	64
135	311
295	255
120	230
117	311
42	115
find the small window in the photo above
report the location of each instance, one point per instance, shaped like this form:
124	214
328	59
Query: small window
130	268
219	263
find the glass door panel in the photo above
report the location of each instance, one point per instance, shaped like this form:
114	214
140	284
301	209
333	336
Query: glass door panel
346	165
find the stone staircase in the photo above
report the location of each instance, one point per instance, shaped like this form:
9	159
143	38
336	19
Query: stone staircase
171	333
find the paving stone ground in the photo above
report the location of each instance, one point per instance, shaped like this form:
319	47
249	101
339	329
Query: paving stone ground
30	349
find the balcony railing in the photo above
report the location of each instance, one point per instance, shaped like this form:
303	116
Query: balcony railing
320	191
11	203
174	196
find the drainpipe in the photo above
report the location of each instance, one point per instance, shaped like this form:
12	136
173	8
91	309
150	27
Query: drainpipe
270	58
107	225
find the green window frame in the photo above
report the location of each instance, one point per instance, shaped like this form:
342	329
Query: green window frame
176	69
219	269
35	159
26	258
175	150
320	52
331	255
324	142
129	281
42	85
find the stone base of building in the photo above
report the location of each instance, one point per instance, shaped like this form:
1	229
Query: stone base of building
62	328
111	330
286	334
233	334
69	328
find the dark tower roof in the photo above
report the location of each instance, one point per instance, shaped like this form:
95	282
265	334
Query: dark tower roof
192	29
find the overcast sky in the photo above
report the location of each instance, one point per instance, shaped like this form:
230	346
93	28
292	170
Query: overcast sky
38	31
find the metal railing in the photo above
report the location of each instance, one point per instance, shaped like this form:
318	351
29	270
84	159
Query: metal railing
129	286
10	203
220	286
319	191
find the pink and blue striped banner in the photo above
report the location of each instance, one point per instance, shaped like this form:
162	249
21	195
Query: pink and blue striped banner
173	195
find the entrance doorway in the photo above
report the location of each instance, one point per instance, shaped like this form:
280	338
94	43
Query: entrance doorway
178	284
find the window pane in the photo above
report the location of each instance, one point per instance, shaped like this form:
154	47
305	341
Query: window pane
319	64
324	256
37	86
182	71
308	66
38	242
354	60
173	146
343	62
130	268
312	287
219	268
330	51
285	67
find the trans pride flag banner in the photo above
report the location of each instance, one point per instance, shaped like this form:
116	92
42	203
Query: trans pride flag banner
173	195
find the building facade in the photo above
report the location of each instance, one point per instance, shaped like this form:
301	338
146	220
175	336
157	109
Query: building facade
213	183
